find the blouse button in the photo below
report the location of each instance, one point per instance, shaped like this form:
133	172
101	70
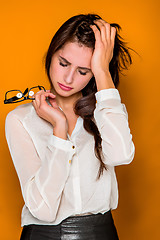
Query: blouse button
73	146
69	161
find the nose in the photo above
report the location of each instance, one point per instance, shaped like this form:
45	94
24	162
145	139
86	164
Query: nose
69	76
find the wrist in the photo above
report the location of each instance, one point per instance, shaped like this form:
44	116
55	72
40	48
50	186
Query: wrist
104	80
60	130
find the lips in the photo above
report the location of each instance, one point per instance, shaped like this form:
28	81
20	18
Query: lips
64	87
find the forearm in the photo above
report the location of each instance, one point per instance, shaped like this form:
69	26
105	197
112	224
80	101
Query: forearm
104	80
42	177
112	121
42	193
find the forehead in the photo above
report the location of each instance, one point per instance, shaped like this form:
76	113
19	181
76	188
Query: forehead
76	54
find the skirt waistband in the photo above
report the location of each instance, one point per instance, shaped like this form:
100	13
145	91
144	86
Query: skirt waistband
94	227
93	219
81	221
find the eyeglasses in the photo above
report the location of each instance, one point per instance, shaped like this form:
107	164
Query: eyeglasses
14	96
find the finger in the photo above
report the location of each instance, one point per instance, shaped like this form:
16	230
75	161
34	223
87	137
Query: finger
38	93
107	28
102	28
44	96
97	34
34	104
108	31
113	34
37	98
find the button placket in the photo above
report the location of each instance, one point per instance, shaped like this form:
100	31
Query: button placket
73	147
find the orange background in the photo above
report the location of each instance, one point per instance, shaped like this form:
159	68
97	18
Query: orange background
26	29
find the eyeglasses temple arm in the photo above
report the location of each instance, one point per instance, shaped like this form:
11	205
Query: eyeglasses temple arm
10	99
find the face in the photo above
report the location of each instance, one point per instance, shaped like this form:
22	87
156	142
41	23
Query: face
70	69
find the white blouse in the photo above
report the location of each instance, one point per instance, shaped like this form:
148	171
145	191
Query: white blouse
57	176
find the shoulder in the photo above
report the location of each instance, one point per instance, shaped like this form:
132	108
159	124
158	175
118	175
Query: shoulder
19	113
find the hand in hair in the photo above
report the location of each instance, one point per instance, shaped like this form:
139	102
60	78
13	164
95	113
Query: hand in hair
103	53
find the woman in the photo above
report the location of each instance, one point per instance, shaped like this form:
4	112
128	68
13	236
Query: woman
66	143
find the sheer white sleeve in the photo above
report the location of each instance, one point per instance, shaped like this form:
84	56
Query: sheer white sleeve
112	121
42	180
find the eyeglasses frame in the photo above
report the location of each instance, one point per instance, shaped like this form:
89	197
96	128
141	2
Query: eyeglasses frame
9	101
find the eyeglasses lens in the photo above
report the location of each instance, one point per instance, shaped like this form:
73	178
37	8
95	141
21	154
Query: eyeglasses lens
15	95
33	91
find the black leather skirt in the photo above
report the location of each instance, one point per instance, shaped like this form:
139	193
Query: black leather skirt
89	227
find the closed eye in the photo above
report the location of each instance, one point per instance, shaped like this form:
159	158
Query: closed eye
63	65
82	73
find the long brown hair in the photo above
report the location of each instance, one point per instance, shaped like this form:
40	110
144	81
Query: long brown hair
77	29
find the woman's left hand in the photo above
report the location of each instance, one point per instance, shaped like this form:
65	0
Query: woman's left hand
104	45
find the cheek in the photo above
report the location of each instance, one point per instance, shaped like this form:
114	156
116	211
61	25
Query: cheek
55	70
82	82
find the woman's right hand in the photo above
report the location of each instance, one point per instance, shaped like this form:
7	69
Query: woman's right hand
52	113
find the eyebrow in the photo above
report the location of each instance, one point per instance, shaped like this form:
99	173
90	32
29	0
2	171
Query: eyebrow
84	68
